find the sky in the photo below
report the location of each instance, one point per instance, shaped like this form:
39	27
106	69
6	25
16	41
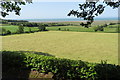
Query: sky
46	10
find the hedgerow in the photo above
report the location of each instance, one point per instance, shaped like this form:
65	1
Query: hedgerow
63	69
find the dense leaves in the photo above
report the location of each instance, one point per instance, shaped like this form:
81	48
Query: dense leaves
63	69
89	10
12	6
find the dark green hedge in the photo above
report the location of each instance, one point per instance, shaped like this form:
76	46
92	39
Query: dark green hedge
63	69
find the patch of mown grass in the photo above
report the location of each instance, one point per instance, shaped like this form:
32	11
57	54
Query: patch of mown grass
91	47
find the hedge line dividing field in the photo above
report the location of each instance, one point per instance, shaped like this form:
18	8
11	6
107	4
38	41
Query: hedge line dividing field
10	27
62	69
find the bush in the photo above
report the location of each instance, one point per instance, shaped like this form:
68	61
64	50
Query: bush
67	29
42	28
112	23
20	29
8	32
98	28
95	29
107	71
59	29
105	25
61	68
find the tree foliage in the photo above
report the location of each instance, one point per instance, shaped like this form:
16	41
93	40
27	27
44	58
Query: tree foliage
12	6
89	10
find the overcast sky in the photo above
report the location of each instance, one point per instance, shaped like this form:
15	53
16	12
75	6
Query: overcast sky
40	10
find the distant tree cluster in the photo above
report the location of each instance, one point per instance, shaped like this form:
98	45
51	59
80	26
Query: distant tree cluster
5	21
33	24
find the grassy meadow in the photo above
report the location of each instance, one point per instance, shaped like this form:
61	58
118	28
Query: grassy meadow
86	46
108	29
82	29
14	28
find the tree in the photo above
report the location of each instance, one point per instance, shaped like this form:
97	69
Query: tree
12	6
89	10
41	28
20	29
8	32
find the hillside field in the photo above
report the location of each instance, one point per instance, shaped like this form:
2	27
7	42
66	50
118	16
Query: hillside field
86	46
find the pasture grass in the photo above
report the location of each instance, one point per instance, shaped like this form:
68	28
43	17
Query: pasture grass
82	29
91	47
108	29
71	28
14	29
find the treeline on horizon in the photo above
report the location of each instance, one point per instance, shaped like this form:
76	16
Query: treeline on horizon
34	24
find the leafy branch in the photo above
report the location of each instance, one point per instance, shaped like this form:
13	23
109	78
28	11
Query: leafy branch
12	6
89	10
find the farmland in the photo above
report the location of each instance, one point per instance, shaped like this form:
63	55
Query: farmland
13	28
108	29
81	29
59	47
59	41
86	46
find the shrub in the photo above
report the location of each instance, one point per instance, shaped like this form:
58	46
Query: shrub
42	28
67	29
63	69
99	28
20	29
105	25
8	32
112	23
95	29
107	71
59	29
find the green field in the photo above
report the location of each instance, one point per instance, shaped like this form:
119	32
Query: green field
71	28
82	29
13	28
108	29
86	46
